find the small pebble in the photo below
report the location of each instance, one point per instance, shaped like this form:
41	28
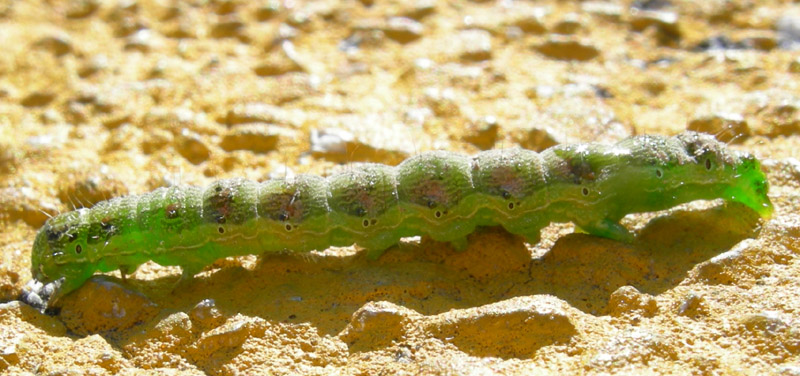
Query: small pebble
280	61
82	8
419	9
263	113
206	315
567	48
727	127
192	147
627	300
482	132
96	64
603	9
228	28
767	322
58	45
364	138
143	40
102	305
694	306
794	66
232	334
376	325
258	138
666	22
403	29
531	22
268	10
476	45
38	98
518	327
570	24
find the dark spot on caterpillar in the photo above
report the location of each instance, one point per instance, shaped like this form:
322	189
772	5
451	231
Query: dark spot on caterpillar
53	235
438	214
94	233
220	206
108	228
582	170
708	164
659	173
221	230
511	206
292	200
366	223
374	222
78	249
172	210
585	191
288	227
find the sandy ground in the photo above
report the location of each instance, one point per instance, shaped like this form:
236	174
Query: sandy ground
105	98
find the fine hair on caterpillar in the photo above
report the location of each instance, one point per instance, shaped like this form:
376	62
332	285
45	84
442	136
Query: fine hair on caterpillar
439	194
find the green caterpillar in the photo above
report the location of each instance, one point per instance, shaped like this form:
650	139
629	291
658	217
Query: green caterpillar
439	194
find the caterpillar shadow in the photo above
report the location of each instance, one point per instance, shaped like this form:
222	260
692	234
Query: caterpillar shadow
431	278
586	270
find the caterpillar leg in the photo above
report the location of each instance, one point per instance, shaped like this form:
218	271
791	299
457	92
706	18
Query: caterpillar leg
125	271
375	253
187	275
532	234
376	247
532	238
459	244
608	229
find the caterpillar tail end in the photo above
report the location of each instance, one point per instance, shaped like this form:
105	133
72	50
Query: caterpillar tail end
765	209
751	187
755	199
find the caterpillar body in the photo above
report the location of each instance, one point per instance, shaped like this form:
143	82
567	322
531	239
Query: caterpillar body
439	194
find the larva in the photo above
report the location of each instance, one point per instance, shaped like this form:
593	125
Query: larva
439	194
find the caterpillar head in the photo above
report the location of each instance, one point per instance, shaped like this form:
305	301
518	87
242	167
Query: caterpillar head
59	251
737	173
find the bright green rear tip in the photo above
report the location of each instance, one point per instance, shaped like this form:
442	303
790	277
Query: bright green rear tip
759	203
751	187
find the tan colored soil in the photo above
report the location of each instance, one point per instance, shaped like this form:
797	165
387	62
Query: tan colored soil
105	98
